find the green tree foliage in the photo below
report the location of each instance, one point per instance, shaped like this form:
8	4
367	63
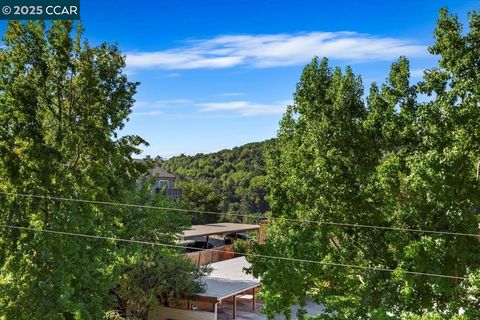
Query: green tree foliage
157	277
62	104
200	196
230	181
394	161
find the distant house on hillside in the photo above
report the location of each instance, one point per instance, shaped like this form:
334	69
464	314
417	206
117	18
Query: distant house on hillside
165	181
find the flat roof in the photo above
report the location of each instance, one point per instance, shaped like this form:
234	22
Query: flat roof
228	278
218	228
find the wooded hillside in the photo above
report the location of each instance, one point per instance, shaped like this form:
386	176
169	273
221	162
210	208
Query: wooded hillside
230	181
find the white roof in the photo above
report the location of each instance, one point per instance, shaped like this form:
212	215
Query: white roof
228	278
218	228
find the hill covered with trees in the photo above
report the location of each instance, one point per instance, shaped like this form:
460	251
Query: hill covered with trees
230	180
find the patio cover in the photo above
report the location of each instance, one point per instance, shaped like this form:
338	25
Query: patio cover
218	228
228	278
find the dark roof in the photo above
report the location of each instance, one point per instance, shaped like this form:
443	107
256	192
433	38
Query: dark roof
157	170
161	173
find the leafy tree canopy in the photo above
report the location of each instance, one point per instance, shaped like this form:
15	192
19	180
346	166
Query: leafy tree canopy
393	160
62	104
229	181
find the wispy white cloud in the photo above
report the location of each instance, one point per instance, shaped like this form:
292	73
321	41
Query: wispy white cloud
162	103
244	108
172	102
171	75
179	59
274	50
213	109
417	73
148	113
140	104
157	107
233	94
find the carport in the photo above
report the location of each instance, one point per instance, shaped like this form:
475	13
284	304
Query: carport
218	228
229	280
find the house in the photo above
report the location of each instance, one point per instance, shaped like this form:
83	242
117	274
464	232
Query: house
164	181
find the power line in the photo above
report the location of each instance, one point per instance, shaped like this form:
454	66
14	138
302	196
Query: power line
340	224
355	225
131	205
142	242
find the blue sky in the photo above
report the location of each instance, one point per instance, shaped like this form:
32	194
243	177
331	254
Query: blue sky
218	74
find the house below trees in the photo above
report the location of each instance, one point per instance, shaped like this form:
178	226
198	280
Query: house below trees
164	181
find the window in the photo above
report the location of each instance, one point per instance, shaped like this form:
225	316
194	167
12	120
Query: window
163	184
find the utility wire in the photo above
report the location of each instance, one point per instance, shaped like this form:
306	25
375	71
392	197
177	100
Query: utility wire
355	225
83	235
340	224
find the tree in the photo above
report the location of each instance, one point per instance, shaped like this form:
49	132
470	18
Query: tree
392	161
62	104
229	181
158	277
316	172
200	196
